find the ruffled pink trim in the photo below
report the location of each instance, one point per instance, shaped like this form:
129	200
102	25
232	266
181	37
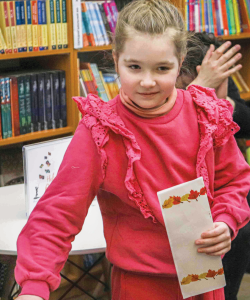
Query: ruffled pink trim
216	125
99	117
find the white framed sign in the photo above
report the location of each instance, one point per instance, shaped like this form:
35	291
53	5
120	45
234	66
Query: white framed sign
41	163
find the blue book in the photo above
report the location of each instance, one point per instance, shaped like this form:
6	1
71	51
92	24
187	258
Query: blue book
3	110
187	14
206	15
101	24
23	22
39	14
210	16
92	22
29	20
34	102
7	105
88	27
230	29
63	99
18	24
48	101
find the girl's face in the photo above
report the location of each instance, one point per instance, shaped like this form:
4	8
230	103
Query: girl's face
148	68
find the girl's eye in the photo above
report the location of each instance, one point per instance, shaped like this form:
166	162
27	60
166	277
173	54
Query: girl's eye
163	68
134	67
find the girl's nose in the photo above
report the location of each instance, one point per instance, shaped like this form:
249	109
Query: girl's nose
148	82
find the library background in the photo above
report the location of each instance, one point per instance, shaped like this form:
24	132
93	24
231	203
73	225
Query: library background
52	50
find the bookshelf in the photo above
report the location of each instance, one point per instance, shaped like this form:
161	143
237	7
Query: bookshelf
63	59
243	39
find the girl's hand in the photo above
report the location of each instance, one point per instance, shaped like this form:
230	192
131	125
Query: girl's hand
29	297
216	241
215	67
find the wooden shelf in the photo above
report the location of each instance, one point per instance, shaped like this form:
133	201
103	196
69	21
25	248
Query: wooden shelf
245	96
36	136
34	54
240	36
97	48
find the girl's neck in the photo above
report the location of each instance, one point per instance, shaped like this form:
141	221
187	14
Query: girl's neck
153	112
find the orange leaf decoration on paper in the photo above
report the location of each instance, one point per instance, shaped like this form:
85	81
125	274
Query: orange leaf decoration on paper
177	200
220	271
194	277
211	273
168	203
203	191
193	195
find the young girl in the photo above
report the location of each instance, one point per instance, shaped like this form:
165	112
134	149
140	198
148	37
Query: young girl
149	138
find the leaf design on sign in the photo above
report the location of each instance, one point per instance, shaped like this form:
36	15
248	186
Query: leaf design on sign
177	200
168	203
185	198
220	271
193	195
186	280
203	275
203	191
194	277
211	273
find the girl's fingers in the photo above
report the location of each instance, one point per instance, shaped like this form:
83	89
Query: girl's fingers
231	62
220	51
213	241
208	54
232	70
229	54
216	248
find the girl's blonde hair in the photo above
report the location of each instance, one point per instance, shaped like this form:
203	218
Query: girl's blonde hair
152	17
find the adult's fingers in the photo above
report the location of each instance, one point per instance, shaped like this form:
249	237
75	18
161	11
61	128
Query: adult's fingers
220	51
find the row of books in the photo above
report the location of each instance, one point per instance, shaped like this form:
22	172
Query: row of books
240	83
32	101
221	17
92	80
34	25
93	22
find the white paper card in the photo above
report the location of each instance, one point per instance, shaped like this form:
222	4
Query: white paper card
41	164
187	214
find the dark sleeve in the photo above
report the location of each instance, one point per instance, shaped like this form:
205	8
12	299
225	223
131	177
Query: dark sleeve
241	114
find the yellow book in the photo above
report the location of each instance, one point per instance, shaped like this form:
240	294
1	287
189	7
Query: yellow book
23	27
105	85
28	21
11	13
242	82
237	83
51	24
45	43
2	43
236	16
5	25
63	8
84	75
58	24
34	18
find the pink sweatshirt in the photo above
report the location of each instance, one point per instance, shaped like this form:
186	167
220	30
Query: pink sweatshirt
125	160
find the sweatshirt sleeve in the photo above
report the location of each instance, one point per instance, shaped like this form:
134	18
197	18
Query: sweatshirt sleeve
45	242
231	186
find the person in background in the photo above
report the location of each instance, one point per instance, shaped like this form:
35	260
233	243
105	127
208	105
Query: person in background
202	66
149	138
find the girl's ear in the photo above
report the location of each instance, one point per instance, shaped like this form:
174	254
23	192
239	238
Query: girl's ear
115	60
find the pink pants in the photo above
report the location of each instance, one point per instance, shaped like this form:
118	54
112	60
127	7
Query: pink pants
131	286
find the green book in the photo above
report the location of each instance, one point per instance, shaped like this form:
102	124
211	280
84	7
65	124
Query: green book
3	110
21	101
27	102
232	17
8	105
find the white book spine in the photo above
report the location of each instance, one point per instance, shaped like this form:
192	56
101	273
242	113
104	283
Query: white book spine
77	24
